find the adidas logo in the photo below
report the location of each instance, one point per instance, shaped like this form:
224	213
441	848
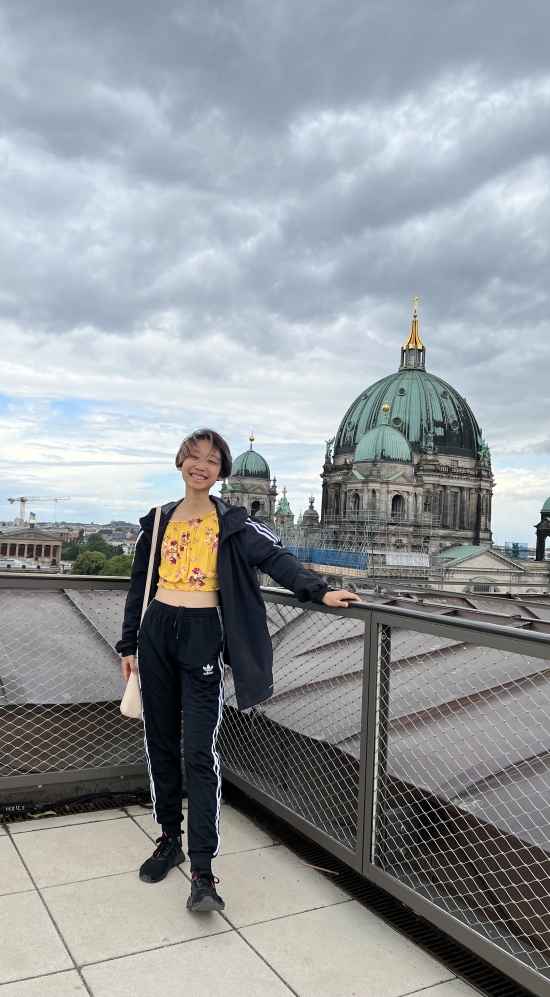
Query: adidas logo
207	669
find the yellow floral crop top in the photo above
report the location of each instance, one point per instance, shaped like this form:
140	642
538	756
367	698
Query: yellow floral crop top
189	555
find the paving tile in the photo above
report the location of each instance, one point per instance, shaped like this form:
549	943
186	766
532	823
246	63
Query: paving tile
13	875
118	915
278	884
3	829
209	967
238	834
147	824
150	826
58	985
344	950
138	811
454	988
30	943
46	823
84	851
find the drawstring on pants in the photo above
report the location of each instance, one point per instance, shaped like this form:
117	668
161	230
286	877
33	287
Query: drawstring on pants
177	619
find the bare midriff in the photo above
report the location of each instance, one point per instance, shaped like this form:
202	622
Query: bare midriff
193	600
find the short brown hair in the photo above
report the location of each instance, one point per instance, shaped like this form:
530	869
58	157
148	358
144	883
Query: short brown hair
190	442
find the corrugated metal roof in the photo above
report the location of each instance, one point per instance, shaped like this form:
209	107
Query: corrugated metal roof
50	653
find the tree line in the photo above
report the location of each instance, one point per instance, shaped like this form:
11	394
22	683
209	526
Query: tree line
95	556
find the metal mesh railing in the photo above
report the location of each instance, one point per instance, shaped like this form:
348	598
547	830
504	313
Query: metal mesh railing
302	746
462	790
60	683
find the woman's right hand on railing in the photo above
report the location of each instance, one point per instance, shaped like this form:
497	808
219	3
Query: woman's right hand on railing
128	664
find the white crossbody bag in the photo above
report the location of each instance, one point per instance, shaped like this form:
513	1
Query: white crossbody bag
131	701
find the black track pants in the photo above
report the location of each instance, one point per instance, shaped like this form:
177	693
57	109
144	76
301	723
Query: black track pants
180	664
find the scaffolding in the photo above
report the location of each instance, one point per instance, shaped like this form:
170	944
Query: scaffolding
369	545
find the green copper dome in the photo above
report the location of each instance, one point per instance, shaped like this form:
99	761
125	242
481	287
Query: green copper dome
426	410
383	443
545	511
251	465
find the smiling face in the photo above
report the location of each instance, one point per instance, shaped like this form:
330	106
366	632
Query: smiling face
202	469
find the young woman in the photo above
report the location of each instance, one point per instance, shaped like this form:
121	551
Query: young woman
205	599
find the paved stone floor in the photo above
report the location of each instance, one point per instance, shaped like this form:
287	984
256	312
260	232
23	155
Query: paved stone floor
75	919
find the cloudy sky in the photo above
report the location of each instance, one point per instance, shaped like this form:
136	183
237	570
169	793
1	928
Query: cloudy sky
220	212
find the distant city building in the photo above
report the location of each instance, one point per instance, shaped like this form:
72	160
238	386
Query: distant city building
284	516
129	545
310	519
27	542
517	550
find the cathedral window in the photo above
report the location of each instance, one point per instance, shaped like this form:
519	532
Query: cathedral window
453	510
398	505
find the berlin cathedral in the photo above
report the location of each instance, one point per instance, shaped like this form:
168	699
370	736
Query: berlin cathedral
408	466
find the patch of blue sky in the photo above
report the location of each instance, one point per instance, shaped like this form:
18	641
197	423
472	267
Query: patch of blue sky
535	462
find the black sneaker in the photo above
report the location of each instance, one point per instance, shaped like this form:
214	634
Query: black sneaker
165	857
203	893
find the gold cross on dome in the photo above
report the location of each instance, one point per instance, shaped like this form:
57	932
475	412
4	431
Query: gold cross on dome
415	302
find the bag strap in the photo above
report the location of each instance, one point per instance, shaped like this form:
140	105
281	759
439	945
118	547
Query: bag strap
153	551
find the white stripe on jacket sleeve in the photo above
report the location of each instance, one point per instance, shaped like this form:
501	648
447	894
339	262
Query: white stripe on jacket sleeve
263	530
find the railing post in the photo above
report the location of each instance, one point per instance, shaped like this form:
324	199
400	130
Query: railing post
375	739
364	794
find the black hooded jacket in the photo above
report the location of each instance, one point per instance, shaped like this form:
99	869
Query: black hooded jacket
244	545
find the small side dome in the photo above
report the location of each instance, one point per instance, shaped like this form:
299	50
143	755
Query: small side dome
383	443
250	465
545	511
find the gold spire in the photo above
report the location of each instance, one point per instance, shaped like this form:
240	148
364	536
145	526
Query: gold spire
251	438
414	339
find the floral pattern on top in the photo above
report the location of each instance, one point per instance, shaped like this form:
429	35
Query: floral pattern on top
188	560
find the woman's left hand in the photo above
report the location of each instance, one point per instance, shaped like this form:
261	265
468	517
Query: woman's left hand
340	598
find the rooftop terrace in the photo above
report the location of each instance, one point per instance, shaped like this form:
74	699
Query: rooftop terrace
75	919
408	738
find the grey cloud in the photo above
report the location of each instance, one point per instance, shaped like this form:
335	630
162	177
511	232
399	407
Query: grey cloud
263	172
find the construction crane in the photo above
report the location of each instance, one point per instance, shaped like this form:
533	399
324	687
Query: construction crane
23	499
